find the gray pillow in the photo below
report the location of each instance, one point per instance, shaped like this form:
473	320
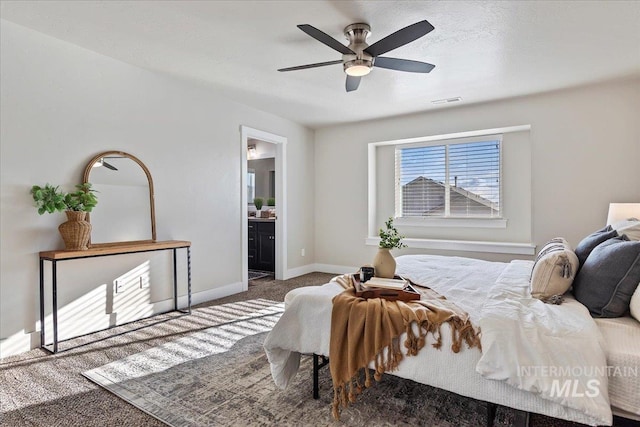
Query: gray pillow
587	244
609	277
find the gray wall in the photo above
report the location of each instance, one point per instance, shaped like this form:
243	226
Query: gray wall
60	106
585	153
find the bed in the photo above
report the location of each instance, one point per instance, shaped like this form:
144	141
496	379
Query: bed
512	370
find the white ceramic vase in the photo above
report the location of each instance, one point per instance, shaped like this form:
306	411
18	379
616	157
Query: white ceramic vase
384	264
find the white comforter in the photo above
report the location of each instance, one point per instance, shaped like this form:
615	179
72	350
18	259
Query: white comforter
555	351
516	335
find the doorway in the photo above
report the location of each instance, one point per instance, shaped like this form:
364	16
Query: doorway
271	187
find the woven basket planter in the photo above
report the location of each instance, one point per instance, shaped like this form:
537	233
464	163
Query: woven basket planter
75	231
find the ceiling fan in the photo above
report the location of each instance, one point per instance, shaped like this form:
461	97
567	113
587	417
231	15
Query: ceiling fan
358	57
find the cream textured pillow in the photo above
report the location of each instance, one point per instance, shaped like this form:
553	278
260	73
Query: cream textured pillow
630	227
555	267
634	307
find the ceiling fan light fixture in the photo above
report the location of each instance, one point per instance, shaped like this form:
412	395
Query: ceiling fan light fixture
357	68
359	57
251	152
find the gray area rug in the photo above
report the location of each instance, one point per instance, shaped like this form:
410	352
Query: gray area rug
220	376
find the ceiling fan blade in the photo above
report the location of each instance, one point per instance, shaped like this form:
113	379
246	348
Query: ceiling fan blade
352	83
109	166
403	65
399	38
326	39
317	64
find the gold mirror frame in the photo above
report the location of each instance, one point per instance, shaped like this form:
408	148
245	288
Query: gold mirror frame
85	179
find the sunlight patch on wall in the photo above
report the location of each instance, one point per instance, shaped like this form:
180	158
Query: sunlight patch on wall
132	296
15	344
126	300
81	316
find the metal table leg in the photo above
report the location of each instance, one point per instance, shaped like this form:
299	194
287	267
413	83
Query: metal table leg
317	364
491	413
54	284
175	281
189	279
42	342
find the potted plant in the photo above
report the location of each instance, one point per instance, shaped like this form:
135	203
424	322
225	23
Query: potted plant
76	231
384	263
258	203
271	212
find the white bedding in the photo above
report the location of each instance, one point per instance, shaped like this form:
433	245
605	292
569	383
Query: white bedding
305	328
555	351
622	347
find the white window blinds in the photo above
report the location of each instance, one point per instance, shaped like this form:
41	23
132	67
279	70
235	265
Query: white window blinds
452	179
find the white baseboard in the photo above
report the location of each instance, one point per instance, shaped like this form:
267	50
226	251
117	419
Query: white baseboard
335	269
19	343
320	268
198	297
25	341
22	342
299	271
211	294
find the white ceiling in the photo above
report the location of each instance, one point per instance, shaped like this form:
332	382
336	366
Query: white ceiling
483	50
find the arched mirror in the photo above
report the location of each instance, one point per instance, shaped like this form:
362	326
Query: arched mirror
125	211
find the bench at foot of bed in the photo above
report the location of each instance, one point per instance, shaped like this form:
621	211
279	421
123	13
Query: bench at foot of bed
319	361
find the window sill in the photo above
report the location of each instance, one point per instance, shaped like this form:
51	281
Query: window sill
452	222
464	245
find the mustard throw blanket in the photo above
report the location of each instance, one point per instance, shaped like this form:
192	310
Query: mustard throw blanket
363	331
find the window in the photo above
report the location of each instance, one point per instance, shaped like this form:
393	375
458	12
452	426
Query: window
453	179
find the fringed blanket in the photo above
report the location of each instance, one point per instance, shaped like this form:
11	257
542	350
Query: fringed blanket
365	331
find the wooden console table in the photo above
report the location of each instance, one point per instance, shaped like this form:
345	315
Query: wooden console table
106	250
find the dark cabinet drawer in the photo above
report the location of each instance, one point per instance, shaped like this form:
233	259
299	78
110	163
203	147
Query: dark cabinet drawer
262	245
253	259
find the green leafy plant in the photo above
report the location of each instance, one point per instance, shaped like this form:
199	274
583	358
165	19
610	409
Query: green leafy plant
258	202
271	201
389	237
51	199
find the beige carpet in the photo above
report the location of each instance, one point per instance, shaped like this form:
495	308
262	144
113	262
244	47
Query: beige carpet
220	377
39	389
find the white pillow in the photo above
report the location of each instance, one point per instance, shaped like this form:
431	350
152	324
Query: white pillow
634	306
554	270
630	227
